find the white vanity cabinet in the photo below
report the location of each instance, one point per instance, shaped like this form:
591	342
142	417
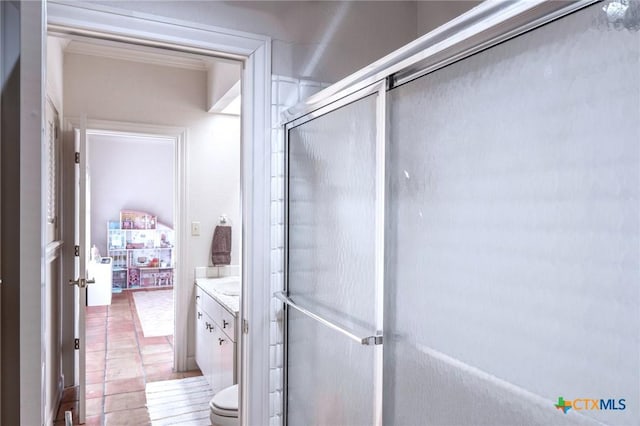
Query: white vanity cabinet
215	339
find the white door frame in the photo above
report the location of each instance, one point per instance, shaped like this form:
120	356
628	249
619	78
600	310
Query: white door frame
23	212
255	52
179	135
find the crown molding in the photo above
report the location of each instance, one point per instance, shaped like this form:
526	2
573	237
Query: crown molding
140	54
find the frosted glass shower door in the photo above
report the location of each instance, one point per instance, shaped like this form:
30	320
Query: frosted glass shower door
514	218
334	363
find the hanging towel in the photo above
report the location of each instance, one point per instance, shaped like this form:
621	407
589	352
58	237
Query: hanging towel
221	246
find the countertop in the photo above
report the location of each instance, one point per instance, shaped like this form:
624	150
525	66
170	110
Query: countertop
218	289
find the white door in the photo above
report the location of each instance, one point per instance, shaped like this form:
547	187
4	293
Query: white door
82	243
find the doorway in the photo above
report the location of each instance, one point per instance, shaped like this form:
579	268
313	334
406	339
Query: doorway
133	173
28	344
206	166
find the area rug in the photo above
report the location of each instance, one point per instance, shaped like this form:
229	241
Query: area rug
179	402
155	310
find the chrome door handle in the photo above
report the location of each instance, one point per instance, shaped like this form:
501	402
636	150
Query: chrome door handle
199	315
225	323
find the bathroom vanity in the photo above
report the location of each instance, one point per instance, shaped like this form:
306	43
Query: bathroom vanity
217	303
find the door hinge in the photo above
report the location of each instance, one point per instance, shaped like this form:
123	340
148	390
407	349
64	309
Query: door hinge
77	158
76	344
245	326
76	251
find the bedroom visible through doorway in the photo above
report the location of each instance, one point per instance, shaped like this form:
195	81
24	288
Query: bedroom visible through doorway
131	210
133	92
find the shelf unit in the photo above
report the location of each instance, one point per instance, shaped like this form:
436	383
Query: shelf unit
142	258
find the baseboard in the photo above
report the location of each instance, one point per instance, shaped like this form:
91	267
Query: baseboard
60	387
50	417
191	363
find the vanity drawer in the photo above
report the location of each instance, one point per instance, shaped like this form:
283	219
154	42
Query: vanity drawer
224	319
208	304
215	340
228	324
199	294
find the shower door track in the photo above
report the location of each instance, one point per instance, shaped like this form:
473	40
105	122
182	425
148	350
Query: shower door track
484	26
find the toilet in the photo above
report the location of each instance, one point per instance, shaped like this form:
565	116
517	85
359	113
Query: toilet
223	407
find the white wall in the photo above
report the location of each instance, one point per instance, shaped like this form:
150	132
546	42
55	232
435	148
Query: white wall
314	40
129	173
55	58
221	77
322	41
431	14
116	90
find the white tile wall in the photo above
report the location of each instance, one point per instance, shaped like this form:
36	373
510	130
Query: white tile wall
286	92
217	271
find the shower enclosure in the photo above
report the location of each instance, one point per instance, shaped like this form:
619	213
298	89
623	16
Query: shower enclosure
463	227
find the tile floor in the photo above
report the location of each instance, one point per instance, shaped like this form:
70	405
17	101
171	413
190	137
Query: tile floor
120	361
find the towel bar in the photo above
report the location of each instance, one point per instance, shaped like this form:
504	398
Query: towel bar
367	341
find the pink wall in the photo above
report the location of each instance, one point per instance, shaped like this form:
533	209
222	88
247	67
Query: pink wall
129	173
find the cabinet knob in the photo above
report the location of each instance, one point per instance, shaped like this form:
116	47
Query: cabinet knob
197	298
224	324
220	341
199	315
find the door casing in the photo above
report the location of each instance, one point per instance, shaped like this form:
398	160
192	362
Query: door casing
23	213
255	52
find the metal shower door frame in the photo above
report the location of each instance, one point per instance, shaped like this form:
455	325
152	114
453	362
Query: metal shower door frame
488	24
375	340
483	27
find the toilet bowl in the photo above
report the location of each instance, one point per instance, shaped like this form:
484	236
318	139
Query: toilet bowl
223	407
